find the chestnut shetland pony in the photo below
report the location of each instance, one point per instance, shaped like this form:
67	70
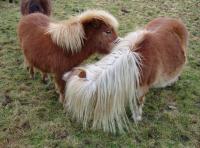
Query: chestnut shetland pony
56	47
32	6
151	57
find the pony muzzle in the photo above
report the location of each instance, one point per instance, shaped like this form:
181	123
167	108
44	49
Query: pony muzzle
119	39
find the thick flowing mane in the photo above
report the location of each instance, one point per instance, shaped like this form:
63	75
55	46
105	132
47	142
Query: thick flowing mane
104	16
67	34
109	87
70	34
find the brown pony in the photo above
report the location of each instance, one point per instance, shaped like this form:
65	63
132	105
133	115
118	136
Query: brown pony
32	6
147	58
56	47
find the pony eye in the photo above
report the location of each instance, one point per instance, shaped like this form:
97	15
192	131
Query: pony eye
108	32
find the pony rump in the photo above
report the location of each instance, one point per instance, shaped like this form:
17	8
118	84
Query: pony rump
70	34
103	95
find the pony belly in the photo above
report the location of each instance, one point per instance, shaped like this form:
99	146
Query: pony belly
166	80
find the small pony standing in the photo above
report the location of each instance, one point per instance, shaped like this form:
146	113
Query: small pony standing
56	47
147	58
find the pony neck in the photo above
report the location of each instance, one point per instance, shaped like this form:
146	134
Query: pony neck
86	51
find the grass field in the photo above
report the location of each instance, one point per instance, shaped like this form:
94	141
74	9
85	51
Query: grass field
31	116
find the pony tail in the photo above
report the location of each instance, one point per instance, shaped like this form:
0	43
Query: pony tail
108	88
101	99
68	35
115	93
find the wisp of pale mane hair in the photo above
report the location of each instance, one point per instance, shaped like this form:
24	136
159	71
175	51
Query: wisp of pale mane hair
70	34
67	34
110	86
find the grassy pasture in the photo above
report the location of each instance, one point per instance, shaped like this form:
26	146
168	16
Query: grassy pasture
31	116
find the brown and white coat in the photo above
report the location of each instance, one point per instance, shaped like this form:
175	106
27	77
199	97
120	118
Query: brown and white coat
150	57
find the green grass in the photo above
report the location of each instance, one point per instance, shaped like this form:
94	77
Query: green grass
34	118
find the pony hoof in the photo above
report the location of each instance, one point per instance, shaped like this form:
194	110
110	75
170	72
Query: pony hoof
28	68
44	78
45	81
32	77
137	118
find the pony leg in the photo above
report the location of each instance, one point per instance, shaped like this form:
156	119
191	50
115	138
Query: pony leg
140	102
26	64
60	85
29	68
32	73
44	77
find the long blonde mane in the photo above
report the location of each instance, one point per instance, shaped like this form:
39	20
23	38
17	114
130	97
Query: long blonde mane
106	17
109	87
67	34
70	34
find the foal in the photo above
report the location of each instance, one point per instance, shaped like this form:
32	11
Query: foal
56	47
32	6
151	57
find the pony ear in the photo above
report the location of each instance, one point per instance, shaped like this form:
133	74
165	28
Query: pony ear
66	76
80	72
69	35
95	23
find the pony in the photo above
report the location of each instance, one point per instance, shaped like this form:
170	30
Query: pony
32	6
56	47
150	57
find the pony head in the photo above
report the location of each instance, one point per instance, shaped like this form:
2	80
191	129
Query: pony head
94	30
32	6
100	29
